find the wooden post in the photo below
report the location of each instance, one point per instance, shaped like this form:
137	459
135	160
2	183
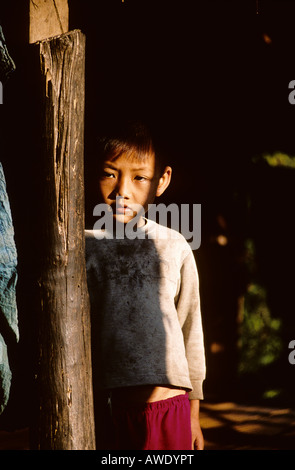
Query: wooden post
65	416
48	18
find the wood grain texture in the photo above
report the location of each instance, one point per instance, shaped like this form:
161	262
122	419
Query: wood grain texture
48	18
65	418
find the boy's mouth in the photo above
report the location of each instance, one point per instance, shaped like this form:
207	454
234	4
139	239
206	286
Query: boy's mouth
119	207
122	209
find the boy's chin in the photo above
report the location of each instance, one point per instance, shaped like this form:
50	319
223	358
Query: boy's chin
123	218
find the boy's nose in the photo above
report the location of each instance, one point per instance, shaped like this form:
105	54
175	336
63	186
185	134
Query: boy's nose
122	188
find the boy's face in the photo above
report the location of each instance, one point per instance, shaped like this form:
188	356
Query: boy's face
134	182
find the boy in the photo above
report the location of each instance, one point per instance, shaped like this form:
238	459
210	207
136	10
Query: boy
146	323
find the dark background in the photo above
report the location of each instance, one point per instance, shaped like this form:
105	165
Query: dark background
211	79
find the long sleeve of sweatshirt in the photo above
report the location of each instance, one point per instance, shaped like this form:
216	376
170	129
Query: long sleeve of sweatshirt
189	314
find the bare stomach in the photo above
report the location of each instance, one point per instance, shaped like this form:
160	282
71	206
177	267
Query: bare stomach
145	393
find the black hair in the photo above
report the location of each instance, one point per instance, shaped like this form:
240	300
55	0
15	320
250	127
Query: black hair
131	138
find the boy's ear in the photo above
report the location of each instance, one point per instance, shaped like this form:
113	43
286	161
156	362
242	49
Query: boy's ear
164	181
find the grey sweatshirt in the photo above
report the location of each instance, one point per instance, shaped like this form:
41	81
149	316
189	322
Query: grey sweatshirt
146	319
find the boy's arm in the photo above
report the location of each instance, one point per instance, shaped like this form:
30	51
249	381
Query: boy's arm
197	435
189	315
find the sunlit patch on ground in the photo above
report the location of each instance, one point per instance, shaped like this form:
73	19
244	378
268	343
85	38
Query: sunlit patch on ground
230	426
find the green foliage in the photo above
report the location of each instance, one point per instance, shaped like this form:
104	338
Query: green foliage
260	343
272	393
278	159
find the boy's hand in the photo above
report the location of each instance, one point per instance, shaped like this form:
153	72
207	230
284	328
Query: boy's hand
197	435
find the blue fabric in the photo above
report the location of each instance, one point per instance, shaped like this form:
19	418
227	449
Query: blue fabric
8	279
7	66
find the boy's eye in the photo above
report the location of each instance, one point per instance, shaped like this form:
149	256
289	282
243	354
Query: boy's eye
106	174
140	178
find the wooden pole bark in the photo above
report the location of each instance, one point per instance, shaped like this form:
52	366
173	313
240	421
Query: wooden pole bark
65	416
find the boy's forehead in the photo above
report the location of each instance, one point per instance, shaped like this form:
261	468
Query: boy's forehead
133	160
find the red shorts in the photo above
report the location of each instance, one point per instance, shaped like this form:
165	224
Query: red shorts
160	425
